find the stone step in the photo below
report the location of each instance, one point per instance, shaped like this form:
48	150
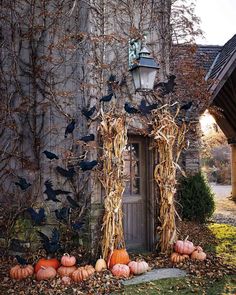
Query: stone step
154	275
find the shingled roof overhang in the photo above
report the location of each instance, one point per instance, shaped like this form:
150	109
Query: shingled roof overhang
223	88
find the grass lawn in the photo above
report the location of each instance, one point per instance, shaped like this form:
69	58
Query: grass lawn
226	248
186	286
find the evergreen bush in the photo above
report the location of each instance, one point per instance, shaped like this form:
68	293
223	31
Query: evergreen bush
196	198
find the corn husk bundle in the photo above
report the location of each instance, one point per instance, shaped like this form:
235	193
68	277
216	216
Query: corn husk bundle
169	142
114	136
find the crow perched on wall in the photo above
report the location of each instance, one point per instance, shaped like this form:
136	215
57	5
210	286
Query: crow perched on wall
50	155
51	245
130	109
86	165
62	214
37	217
51	193
22	183
107	98
69	174
87	138
146	109
186	106
72	202
88	112
166	87
70	128
22	261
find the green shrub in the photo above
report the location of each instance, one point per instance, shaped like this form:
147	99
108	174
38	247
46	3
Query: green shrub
196	198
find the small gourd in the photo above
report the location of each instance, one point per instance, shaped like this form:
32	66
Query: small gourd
100	265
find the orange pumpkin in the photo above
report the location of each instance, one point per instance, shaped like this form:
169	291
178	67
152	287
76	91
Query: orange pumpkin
20	272
198	255
118	256
66	270
121	271
53	262
46	273
82	273
177	258
138	267
68	260
184	247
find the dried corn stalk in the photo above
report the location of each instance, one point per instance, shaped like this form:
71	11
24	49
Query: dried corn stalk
114	136
168	141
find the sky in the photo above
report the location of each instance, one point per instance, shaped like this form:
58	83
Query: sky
218	20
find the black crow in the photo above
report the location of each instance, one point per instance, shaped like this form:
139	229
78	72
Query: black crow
62	214
130	109
51	193
87	138
70	128
22	183
146	109
72	202
37	217
86	165
50	155
167	87
51	245
69	174
77	225
186	106
21	260
112	83
88	112
107	97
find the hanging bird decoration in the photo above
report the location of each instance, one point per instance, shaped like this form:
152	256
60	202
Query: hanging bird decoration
86	165
130	109
50	155
69	174
166	87
88	112
87	138
146	109
70	128
51	193
39	217
22	183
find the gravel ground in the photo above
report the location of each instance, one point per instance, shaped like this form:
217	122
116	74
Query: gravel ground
225	208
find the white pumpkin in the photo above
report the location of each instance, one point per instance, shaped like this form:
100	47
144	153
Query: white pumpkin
138	267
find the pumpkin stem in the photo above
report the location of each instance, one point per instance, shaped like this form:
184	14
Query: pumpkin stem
186	238
66	254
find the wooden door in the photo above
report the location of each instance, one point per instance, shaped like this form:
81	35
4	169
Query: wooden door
134	200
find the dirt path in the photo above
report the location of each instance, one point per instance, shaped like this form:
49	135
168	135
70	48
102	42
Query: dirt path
225	208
